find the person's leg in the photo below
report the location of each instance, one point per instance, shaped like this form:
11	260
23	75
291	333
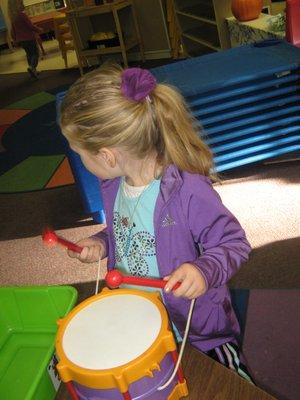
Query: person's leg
30	47
35	55
24	45
228	354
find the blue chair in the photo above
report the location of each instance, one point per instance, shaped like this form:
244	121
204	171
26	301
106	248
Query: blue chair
87	183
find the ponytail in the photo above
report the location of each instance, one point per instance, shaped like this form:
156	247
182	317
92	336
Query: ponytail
100	110
180	143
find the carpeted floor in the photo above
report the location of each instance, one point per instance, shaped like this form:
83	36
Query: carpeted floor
265	202
271	339
32	148
16	87
265	198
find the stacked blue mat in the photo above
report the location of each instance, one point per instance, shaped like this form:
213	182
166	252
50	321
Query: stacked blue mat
247	100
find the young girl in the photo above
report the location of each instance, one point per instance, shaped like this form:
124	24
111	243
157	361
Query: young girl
24	32
164	218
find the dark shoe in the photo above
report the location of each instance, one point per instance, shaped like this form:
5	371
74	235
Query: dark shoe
32	72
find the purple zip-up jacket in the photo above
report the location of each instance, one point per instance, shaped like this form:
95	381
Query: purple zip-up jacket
192	225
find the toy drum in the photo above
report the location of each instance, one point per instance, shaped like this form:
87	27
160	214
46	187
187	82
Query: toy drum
118	345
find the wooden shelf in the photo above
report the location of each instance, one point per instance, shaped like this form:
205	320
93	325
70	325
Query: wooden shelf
195	47
208	21
203	22
118	16
200	31
197	39
87	11
109	50
200	12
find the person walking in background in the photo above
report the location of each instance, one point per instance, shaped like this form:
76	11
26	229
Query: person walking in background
24	32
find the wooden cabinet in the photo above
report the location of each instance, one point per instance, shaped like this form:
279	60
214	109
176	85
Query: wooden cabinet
153	28
202	25
117	16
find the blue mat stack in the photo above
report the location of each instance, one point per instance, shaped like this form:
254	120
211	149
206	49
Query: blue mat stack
247	99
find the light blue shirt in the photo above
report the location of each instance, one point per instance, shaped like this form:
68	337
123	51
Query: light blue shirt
134	233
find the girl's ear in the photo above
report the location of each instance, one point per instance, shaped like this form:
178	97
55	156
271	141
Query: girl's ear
108	156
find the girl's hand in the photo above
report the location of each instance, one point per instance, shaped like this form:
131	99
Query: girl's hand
92	250
192	281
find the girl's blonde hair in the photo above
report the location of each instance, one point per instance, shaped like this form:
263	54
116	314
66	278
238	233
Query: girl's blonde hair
95	114
14	8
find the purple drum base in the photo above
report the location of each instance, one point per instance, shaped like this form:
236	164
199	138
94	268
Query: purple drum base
144	388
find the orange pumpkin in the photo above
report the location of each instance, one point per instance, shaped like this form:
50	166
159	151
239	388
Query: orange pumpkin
246	10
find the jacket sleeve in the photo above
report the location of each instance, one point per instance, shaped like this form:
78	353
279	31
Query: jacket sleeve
221	239
102	236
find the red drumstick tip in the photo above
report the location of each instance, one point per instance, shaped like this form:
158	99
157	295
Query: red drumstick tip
113	278
49	238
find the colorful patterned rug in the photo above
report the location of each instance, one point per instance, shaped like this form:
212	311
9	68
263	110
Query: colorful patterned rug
31	146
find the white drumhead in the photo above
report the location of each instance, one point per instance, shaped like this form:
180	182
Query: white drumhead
111	331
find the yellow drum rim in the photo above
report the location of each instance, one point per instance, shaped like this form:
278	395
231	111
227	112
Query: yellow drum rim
121	376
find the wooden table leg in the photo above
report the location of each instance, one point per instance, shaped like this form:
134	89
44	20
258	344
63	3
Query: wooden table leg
40	43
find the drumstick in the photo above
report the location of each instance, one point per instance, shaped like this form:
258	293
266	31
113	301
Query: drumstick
115	278
51	239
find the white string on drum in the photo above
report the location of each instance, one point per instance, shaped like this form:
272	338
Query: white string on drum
186	332
98	275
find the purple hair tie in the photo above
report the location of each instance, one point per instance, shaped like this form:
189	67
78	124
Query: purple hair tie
137	83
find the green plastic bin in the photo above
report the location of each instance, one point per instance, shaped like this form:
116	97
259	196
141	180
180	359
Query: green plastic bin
28	325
